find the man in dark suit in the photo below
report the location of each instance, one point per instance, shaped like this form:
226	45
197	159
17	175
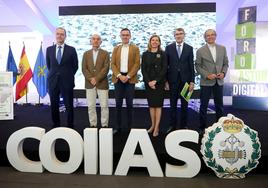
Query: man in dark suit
62	64
212	64
180	70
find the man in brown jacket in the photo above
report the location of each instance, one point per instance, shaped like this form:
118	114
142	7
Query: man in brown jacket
95	67
125	64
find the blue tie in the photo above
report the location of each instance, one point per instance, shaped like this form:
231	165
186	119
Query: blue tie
59	55
179	50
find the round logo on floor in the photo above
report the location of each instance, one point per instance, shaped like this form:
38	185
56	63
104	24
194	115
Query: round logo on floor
230	148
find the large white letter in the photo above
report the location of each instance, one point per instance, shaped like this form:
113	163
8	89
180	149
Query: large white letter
47	150
246	14
235	89
242	61
147	159
106	151
243	30
246	46
191	159
91	150
15	153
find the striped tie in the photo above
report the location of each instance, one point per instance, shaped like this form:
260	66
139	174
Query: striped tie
59	55
179	50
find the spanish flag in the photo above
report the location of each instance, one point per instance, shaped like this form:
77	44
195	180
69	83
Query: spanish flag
24	76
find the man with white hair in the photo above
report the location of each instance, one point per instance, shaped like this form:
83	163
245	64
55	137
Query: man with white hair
95	67
212	64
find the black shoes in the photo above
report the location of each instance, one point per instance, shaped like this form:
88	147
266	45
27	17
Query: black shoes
170	129
116	131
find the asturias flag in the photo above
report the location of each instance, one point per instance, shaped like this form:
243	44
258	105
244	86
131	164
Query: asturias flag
11	65
25	74
40	74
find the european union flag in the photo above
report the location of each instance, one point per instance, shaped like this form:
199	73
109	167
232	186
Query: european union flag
11	65
40	74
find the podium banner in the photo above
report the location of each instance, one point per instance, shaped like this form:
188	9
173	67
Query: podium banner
6	96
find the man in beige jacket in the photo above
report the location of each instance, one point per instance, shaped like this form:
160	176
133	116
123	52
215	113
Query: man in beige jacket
95	67
125	64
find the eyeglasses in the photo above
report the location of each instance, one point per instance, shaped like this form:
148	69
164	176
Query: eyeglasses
210	35
125	35
177	34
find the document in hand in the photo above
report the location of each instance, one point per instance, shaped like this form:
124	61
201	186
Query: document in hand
185	93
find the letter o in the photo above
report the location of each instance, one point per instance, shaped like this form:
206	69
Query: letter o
47	150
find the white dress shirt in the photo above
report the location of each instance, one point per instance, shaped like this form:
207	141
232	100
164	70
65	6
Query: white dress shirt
124	58
212	49
95	55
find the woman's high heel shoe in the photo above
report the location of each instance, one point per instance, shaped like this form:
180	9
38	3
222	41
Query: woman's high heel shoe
150	130
156	133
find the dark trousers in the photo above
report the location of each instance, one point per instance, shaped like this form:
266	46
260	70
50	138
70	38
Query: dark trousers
67	95
175	90
124	90
205	94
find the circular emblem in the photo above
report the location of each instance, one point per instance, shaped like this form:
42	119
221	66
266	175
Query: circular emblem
230	148
158	55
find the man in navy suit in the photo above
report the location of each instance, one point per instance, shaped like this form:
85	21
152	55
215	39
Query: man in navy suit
180	70
62	64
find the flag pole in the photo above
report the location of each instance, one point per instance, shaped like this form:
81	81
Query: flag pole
14	98
8	54
39	98
38	93
26	95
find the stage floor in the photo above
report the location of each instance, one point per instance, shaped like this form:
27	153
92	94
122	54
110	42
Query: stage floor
40	116
10	178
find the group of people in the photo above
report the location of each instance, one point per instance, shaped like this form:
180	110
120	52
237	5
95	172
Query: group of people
162	70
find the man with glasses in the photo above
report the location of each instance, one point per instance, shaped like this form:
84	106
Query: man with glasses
125	64
180	70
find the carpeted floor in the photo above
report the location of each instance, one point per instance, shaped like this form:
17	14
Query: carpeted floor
10	178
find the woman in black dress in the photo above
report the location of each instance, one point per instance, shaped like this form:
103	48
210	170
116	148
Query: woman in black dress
153	68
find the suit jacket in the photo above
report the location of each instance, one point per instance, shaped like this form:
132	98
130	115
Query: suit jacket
154	66
183	65
133	63
205	64
63	72
99	70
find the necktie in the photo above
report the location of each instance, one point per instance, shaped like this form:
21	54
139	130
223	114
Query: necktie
179	50
59	55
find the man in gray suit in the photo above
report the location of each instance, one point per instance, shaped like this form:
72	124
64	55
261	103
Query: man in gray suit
212	64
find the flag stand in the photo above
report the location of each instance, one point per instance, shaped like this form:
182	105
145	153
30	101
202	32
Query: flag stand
26	97
39	101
